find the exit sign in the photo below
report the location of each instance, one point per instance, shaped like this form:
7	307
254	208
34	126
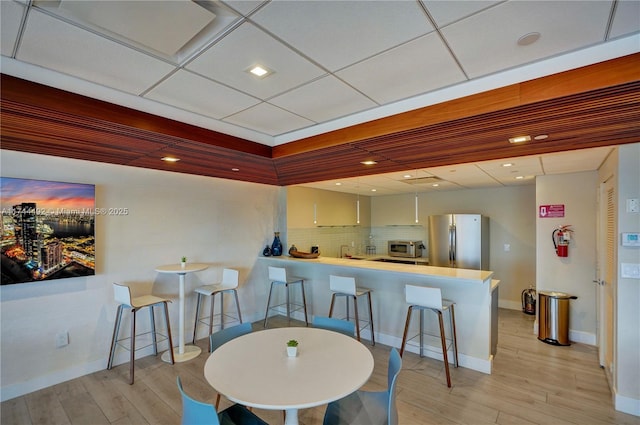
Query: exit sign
551	211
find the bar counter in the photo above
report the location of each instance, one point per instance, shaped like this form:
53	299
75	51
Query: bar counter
474	292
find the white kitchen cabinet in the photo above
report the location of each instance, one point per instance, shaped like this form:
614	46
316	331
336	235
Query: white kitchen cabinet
307	207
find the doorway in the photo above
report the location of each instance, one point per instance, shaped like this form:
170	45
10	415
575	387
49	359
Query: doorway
605	280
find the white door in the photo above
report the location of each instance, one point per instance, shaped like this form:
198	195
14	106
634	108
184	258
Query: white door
605	279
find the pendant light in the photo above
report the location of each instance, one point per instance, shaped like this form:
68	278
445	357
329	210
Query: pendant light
416	201
358	203
315	213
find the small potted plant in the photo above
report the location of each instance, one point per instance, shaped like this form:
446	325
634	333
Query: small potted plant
183	262
292	348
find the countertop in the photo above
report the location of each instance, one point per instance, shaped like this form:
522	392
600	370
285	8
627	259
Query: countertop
471	276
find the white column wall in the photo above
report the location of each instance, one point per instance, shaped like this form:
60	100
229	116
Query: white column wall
222	222
575	273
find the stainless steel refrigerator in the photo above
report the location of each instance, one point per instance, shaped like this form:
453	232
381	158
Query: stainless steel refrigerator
459	240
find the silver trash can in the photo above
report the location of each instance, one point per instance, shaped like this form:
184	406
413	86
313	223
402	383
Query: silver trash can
553	317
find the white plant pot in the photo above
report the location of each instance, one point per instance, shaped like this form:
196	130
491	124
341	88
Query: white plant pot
292	351
183	264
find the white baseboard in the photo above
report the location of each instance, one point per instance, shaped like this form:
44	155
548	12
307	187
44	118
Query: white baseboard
26	387
627	404
510	305
435	352
582	337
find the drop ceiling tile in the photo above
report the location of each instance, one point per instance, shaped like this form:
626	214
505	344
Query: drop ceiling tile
446	12
416	67
56	45
244	7
528	166
228	60
164	26
626	19
339	33
575	161
10	19
194	93
268	119
467	175
487	42
324	99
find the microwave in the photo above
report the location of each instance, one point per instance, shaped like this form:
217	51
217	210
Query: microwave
410	249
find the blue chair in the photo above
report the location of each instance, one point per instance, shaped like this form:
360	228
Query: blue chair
367	407
225	335
195	412
336	325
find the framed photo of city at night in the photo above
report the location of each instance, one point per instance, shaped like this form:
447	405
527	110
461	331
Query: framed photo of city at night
47	230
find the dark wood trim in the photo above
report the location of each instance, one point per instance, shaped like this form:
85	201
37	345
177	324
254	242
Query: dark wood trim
597	105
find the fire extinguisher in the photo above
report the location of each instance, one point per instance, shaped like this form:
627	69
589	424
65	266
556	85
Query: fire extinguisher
529	301
561	237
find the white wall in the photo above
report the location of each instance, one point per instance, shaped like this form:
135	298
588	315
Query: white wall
222	222
511	211
624	165
575	273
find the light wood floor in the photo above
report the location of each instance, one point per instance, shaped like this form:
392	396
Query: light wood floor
532	383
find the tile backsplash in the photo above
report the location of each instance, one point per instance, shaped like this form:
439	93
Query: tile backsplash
355	238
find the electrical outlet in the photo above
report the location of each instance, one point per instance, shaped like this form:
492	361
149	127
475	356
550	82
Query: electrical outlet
507	247
62	339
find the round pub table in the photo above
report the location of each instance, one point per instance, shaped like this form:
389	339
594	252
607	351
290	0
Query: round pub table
182	353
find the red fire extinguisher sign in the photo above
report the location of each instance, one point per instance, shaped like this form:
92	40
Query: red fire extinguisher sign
551	211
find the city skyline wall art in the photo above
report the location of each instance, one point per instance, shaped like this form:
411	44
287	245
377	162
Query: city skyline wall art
47	230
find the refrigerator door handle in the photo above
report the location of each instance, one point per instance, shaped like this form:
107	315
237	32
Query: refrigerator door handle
452	245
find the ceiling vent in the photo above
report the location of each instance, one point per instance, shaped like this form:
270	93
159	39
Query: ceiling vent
423	180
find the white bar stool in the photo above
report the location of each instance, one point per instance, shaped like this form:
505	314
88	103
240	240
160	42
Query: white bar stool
424	298
229	284
343	286
122	294
278	276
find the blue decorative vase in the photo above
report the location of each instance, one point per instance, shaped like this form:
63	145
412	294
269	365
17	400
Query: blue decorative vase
276	246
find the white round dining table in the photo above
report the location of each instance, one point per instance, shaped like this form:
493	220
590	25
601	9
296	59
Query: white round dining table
183	352
254	369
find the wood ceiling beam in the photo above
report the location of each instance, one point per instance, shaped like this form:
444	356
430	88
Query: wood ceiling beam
93	112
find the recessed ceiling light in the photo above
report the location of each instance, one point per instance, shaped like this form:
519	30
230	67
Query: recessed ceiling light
519	177
508	164
170	159
338	184
235	169
407	176
435	185
520	139
529	38
541	137
368	162
374	190
260	71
